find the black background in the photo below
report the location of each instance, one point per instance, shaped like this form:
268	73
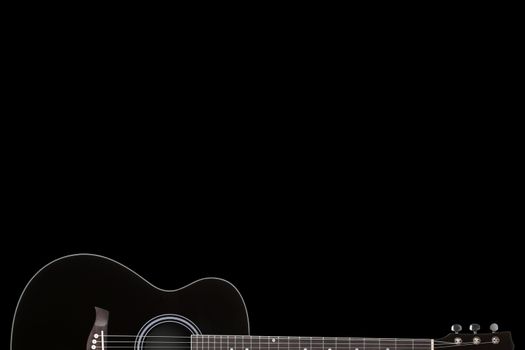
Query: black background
360	221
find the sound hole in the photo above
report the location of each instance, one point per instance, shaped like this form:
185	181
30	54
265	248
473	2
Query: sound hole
167	336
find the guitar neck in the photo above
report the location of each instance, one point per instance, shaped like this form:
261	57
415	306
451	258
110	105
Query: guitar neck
245	342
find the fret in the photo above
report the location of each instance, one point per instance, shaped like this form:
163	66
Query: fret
304	344
388	344
274	344
342	343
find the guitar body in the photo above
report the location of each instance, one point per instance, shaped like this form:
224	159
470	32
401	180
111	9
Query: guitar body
94	303
69	299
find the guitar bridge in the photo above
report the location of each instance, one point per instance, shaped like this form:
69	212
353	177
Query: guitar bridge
96	339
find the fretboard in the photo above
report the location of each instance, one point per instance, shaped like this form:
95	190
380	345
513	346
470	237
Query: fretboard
230	342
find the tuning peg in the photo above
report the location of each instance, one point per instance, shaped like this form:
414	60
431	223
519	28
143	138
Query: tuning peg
474	328
494	327
456	328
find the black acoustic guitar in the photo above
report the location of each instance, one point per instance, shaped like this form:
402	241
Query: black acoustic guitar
94	303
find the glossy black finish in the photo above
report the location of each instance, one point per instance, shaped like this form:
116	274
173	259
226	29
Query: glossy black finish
57	309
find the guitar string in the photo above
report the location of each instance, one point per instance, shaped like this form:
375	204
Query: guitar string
292	342
368	347
374	347
269	338
305	339
398	346
298	345
256	336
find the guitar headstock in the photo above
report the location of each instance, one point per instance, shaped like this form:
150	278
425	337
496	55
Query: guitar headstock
476	341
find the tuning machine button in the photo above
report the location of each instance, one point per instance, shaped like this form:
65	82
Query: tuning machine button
456	328
494	327
474	328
